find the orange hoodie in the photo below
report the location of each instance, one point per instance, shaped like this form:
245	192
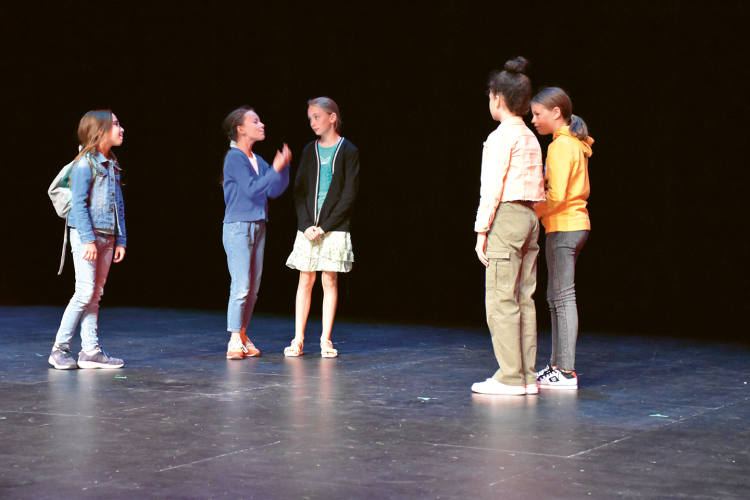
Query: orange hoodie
566	184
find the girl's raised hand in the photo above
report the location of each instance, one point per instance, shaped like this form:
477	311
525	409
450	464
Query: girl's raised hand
119	253
282	160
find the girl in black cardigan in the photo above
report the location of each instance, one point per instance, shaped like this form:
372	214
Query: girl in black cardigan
324	193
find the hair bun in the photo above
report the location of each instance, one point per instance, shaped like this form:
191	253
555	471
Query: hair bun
517	65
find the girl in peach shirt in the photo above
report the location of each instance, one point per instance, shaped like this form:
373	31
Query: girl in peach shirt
507	230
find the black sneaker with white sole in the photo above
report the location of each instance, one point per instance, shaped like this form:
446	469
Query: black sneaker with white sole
98	359
61	358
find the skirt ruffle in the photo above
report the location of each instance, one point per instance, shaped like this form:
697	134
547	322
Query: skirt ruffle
331	252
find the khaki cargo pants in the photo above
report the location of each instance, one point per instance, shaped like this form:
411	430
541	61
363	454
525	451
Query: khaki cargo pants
512	250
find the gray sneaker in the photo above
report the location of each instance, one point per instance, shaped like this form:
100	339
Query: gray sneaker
99	359
61	359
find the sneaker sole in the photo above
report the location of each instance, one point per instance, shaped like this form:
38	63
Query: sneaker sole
532	389
235	355
94	364
560	387
62	367
502	393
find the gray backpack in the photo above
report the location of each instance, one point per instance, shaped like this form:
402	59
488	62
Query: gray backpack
59	193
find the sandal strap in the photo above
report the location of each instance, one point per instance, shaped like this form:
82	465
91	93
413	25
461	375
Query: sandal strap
293	347
325	348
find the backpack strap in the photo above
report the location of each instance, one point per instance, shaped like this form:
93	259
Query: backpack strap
89	157
65	244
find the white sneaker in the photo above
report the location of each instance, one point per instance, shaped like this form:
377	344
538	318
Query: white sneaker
492	386
532	388
558	380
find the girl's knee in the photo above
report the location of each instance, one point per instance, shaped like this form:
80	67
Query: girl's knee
330	280
306	279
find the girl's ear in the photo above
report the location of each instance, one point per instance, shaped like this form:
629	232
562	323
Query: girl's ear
556	113
500	101
331	117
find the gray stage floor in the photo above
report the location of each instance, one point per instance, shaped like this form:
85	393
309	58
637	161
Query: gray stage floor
393	417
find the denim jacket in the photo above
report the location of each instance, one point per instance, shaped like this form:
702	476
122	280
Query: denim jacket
97	206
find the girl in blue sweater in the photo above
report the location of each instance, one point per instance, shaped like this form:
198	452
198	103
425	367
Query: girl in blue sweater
248	182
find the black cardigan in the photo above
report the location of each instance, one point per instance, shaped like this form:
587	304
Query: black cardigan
335	214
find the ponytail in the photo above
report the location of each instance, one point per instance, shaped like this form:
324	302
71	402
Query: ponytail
555	97
578	127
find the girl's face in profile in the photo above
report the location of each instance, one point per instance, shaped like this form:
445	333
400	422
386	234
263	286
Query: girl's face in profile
252	127
320	121
544	119
115	135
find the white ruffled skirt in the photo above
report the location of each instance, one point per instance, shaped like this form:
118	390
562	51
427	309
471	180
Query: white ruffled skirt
331	252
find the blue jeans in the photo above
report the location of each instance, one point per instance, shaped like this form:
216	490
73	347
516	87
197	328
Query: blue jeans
90	279
244	243
562	249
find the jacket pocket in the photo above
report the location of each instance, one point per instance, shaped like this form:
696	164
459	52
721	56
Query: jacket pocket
498	272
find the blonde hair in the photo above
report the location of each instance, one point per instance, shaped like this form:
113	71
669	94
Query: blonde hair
555	97
329	106
92	130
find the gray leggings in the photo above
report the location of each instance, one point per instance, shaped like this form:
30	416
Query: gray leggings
562	249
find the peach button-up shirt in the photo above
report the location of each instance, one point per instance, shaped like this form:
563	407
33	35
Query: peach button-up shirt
511	170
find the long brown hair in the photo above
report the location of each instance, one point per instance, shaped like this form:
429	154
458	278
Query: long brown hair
92	130
329	106
555	97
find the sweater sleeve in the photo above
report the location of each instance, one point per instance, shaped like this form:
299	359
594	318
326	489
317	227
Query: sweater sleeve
560	162
349	193
301	186
250	186
80	197
279	184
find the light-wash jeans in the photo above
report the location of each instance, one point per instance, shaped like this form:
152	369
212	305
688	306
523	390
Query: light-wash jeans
512	250
90	279
562	249
244	243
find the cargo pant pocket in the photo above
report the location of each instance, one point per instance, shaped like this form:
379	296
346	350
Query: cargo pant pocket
498	272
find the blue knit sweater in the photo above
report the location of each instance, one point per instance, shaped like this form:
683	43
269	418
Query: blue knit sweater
245	192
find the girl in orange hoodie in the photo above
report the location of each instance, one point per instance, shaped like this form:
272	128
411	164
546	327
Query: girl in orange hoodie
566	223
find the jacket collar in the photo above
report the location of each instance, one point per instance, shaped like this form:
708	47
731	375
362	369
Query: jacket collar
512	121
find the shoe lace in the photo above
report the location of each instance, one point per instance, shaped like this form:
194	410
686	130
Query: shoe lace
237	345
549	373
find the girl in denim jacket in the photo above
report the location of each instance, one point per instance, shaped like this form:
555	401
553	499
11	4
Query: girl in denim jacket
97	231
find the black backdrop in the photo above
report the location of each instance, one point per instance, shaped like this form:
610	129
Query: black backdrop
659	84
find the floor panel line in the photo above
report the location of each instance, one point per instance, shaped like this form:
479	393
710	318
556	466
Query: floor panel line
219	456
